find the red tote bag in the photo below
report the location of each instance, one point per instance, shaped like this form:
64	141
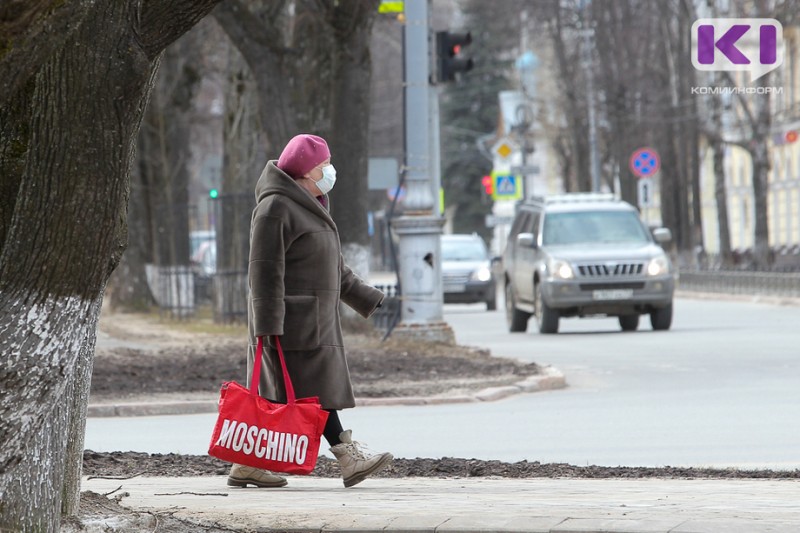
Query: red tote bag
254	431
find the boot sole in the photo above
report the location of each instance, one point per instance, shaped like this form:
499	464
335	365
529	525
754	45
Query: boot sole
238	482
355	480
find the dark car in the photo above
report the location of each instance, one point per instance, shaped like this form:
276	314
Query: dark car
467	271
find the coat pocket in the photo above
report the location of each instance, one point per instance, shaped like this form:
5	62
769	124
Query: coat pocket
301	323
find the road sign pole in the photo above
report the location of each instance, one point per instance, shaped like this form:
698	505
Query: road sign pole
645	197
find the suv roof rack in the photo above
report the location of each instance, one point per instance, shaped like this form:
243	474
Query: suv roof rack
579	197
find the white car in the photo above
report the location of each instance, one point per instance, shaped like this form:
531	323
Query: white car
467	271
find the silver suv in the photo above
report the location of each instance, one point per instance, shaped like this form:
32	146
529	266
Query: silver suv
585	254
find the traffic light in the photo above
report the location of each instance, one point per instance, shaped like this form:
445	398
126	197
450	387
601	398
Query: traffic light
488	185
213	194
448	51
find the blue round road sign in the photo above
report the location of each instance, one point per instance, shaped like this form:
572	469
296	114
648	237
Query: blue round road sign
644	162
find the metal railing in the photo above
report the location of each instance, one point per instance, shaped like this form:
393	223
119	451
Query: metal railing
387	316
751	283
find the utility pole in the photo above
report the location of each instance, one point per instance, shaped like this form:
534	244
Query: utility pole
420	227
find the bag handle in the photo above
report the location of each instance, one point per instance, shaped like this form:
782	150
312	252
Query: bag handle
256	377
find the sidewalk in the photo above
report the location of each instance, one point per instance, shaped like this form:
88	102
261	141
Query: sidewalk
471	504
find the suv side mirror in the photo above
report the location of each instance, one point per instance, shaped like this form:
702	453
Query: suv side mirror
528	240
662	235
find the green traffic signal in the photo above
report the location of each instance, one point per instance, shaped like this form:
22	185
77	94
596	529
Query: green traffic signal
213	193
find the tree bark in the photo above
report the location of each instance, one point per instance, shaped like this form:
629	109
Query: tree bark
30	31
66	234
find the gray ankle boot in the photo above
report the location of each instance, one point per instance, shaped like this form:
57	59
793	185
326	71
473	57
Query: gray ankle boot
355	461
241	476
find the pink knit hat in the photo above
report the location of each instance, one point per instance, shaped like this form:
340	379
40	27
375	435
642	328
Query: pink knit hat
303	153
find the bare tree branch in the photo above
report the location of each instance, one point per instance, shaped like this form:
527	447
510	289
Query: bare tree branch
163	21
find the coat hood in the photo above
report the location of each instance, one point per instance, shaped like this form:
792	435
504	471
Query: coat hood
275	181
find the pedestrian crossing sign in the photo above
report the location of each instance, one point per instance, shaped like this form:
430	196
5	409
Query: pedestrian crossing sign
506	186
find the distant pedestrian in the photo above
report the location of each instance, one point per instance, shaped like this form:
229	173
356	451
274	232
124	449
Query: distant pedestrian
297	278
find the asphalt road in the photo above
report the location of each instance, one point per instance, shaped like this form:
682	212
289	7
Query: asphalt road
721	388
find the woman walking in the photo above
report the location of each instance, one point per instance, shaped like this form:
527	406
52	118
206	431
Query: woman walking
297	278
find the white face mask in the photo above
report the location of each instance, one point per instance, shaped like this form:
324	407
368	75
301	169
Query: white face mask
328	179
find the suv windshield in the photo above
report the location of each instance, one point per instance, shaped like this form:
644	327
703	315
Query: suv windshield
463	250
592	227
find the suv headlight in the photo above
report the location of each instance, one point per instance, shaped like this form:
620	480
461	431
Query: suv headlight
560	269
482	274
658	266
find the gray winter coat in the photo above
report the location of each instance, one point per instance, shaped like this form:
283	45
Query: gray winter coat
297	278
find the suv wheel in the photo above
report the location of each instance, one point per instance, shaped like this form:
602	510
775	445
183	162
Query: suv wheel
661	319
517	320
545	316
629	322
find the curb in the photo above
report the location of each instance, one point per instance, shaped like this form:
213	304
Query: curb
746	298
187	407
550	379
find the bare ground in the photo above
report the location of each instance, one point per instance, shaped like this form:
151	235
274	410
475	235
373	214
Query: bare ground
139	356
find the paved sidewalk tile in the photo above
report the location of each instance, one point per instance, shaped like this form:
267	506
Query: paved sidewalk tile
734	526
599	525
474	505
500	524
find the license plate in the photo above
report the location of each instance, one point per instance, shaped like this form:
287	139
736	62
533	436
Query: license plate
612	294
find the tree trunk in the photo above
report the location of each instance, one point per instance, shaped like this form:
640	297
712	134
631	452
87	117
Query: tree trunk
671	196
574	108
166	151
65	236
56	278
721	197
243	162
127	288
352	75
720	185
692	139
759	153
256	31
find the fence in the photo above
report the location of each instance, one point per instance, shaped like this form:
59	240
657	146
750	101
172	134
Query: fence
172	288
386	317
753	283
